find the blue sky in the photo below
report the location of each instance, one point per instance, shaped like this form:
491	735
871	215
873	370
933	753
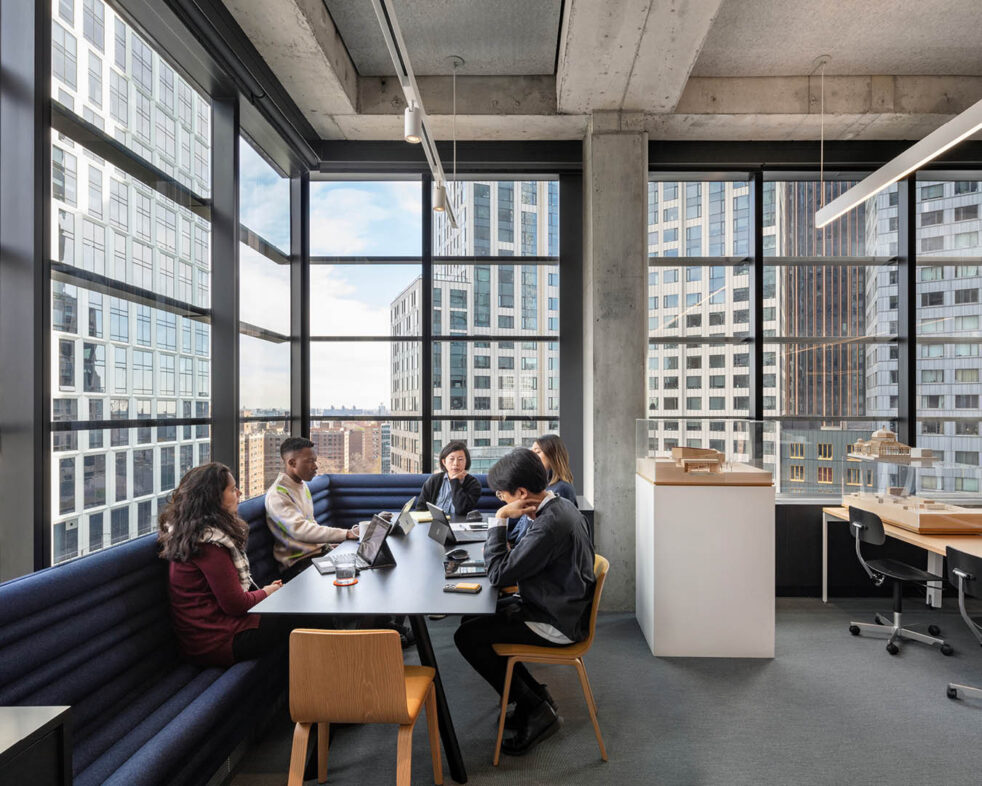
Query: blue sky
367	218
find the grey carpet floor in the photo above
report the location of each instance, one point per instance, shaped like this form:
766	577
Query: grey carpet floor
829	709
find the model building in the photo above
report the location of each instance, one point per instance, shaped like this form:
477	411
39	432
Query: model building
698	459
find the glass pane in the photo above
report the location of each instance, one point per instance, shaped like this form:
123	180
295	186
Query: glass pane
108	496
264	291
494	378
365	218
711	380
264	198
698	218
107	348
500	218
948	398
259	455
373	378
264	377
831	300
355	446
365	300
698	301
129	91
489	440
814	454
496	300
832	379
789	221
948	218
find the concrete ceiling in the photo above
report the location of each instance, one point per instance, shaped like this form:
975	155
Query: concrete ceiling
680	69
495	38
902	37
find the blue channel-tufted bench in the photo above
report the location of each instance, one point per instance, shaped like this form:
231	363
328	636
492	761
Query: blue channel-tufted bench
95	634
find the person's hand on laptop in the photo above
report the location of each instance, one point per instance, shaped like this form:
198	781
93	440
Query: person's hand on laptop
353	533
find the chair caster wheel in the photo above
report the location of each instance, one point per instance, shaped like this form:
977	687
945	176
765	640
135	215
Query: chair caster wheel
854	630
934	630
892	648
946	649
951	693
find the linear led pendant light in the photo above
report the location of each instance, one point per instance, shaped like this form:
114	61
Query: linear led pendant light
414	104
929	148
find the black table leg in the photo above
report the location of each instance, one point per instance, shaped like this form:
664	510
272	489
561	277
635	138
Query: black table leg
426	657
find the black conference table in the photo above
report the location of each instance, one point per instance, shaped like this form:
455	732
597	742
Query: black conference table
414	587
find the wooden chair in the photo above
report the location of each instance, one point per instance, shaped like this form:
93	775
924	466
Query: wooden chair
357	676
571	655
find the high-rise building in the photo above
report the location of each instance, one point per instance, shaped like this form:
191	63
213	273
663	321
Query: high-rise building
124	357
486	392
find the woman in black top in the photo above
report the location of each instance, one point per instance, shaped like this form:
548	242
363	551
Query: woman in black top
452	489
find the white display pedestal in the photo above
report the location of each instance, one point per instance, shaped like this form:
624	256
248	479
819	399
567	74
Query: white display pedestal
705	568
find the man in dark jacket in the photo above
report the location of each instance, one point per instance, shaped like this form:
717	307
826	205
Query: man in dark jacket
553	567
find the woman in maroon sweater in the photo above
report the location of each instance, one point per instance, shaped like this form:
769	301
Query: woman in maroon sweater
211	589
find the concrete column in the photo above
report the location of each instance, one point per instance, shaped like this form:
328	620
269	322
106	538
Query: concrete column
615	336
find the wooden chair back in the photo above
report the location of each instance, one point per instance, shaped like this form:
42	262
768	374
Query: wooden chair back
347	676
600	568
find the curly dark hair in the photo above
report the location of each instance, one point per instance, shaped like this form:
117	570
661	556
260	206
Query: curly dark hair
196	504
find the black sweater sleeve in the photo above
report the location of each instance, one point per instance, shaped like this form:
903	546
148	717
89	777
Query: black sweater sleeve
430	491
466	493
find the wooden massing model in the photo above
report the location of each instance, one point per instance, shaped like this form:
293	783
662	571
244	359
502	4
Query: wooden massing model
917	514
698	459
883	445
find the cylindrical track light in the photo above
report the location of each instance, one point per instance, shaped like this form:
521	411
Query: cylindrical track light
439	197
413	124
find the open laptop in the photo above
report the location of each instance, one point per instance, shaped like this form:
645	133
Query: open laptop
373	551
444	534
404	522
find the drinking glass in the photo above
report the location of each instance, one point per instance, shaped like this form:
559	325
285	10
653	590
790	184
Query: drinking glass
344	570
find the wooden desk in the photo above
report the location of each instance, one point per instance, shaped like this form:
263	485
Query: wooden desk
934	545
413	587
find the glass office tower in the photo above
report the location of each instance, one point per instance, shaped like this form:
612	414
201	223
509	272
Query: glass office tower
130	276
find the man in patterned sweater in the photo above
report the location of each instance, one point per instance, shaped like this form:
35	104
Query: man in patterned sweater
290	511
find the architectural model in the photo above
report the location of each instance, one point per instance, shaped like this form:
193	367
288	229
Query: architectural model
884	446
698	459
918	514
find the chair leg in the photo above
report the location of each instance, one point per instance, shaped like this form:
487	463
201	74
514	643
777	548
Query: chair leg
433	728
591	706
298	755
323	739
504	710
404	755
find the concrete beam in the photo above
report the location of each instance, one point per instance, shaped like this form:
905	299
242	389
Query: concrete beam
471	127
476	95
629	54
844	95
299	41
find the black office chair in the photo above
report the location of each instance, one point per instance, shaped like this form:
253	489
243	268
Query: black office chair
965	572
868	528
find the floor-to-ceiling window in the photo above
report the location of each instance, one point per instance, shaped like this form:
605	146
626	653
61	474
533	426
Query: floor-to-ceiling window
264	319
495	319
130	279
699	318
834	348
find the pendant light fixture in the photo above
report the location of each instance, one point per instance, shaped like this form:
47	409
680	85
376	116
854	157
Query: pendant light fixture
439	198
415	120
413	124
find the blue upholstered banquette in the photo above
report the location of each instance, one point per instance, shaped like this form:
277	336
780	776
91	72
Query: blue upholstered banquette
95	634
